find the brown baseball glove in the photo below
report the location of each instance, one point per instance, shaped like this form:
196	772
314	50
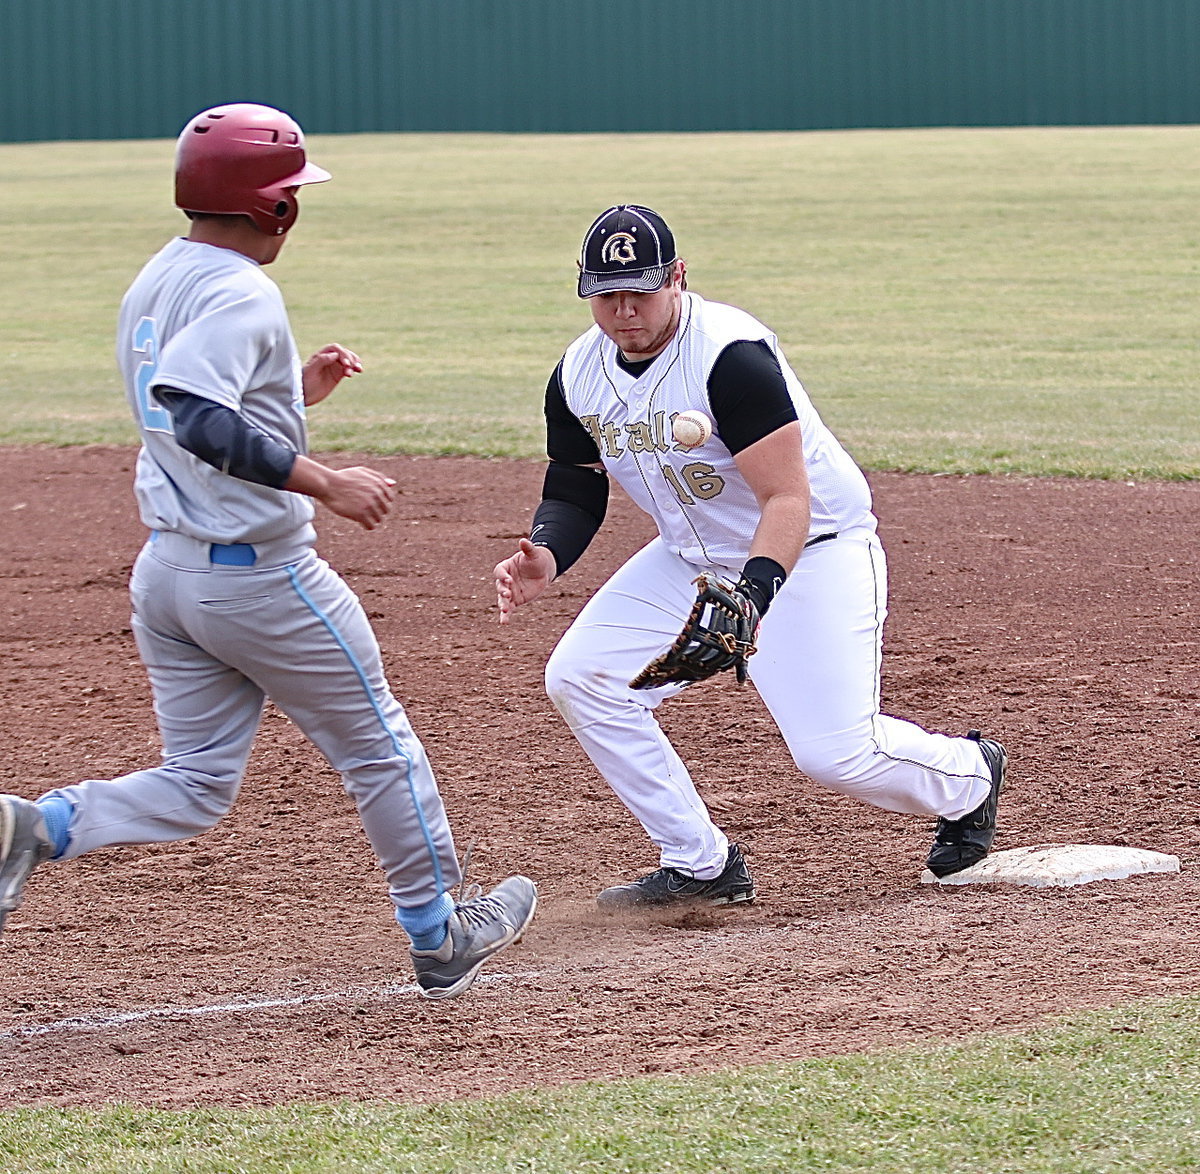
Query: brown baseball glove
719	634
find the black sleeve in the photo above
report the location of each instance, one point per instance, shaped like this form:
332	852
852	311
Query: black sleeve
574	496
567	440
748	394
218	436
574	502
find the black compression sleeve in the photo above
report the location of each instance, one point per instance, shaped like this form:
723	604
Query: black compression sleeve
567	440
748	394
574	502
218	436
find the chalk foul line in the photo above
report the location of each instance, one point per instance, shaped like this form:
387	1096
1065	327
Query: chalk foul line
102	1020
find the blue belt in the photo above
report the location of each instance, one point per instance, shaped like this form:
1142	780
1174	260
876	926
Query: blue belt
233	554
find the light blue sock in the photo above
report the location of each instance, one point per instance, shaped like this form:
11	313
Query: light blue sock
57	812
426	924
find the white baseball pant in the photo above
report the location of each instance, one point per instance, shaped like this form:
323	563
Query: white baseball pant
817	670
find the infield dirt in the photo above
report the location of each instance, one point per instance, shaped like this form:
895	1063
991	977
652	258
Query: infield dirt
1059	616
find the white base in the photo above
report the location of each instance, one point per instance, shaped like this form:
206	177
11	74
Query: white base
1058	865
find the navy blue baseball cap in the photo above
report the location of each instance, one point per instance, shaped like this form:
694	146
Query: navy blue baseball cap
628	247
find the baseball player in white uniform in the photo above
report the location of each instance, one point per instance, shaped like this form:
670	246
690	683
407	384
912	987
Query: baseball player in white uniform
770	502
231	604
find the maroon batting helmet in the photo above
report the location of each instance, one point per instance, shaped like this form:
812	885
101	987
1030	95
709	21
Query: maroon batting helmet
244	159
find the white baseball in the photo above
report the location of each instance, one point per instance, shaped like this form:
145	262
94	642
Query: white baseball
691	428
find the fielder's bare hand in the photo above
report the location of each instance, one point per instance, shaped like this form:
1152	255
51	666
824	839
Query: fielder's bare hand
522	577
325	370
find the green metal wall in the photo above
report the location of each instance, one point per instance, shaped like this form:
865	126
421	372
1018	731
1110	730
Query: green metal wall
102	69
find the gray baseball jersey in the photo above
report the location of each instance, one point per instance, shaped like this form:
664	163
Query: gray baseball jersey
211	322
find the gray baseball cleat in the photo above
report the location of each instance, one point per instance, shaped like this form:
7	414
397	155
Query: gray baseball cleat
959	843
24	844
670	886
478	929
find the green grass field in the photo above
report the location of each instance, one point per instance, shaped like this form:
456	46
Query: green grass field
971	301
1105	1093
985	300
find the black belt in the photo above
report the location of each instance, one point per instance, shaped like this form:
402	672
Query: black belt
820	538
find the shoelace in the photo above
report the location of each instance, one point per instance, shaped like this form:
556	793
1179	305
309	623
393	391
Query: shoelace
467	892
478	911
472	906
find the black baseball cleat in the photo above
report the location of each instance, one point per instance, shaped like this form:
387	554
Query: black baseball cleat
959	843
670	886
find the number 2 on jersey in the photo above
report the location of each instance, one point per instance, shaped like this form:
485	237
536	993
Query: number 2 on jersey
152	416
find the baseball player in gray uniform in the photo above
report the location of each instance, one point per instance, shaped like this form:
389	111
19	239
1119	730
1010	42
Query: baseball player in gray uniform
231	604
770	502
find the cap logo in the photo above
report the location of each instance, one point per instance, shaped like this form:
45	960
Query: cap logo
620	247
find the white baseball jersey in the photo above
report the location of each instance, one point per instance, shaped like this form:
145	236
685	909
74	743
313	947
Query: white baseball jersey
209	321
705	510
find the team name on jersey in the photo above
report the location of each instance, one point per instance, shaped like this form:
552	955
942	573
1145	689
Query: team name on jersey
637	436
692	482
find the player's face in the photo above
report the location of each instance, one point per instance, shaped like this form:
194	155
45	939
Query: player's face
271	249
641	324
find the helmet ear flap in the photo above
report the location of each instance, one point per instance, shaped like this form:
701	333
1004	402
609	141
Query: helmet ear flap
277	211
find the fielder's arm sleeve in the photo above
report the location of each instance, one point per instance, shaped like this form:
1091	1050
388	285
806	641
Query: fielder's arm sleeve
218	436
748	394
574	496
